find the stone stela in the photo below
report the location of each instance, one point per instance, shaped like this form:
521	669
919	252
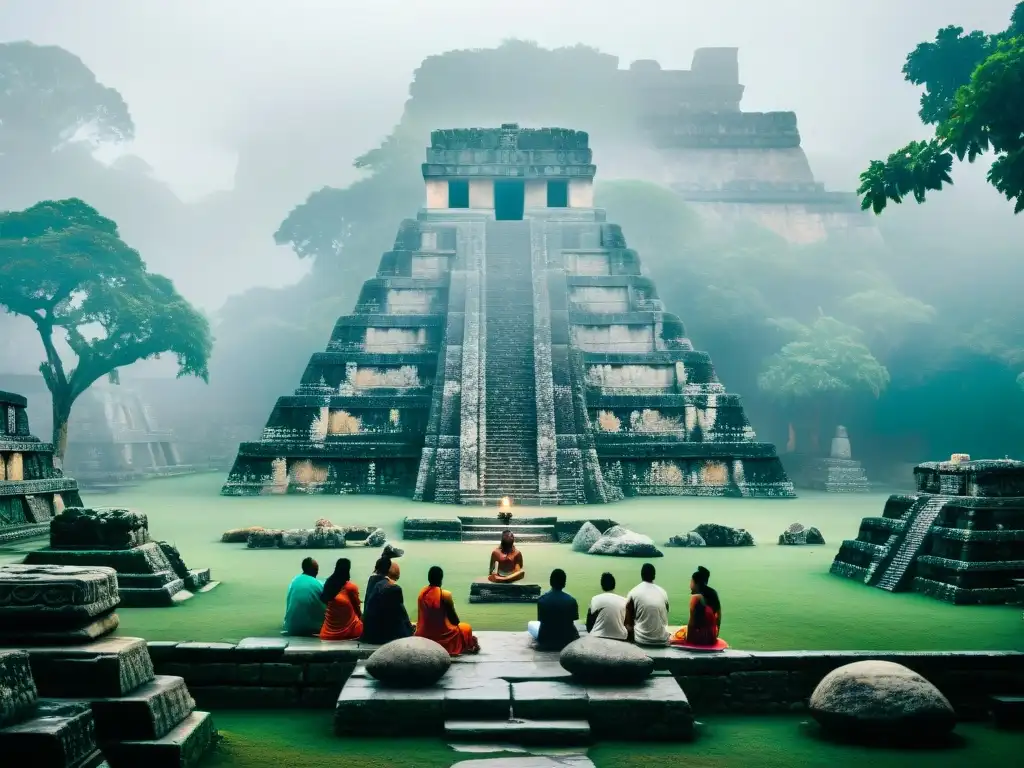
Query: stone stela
960	538
509	346
32	491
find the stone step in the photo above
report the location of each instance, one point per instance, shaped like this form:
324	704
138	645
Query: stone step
528	761
56	733
151	711
1008	711
500	526
526	732
184	746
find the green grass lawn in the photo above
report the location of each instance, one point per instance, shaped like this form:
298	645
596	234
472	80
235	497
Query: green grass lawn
302	740
774	598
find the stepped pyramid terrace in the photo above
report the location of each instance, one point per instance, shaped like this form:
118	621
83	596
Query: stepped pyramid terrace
960	538
510	346
32	491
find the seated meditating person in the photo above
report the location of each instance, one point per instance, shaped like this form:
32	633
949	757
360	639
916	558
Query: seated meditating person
437	619
304	611
557	614
705	613
647	610
344	619
386	618
506	561
606	616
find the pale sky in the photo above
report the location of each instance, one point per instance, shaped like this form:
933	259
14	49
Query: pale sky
197	72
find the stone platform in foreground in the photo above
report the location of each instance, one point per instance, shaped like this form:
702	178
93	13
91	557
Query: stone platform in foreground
280	672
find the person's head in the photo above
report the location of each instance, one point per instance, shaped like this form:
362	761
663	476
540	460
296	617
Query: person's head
557	579
394	572
647	572
343	569
435	576
382	566
310	567
699	579
508	541
607	582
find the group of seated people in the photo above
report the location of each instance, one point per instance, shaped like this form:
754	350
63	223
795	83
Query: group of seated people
333	611
640	617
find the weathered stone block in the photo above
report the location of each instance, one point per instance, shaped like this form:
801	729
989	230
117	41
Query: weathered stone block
655	710
57	733
100	528
54	597
483	700
17	688
106	668
280	674
336	672
184	745
484	591
549	700
366	708
151	711
244	696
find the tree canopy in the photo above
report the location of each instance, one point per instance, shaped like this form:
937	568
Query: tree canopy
974	96
65	267
48	96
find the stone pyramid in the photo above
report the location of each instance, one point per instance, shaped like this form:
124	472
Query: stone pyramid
509	346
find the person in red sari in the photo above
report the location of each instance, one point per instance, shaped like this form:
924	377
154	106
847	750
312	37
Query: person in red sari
438	621
705	613
344	617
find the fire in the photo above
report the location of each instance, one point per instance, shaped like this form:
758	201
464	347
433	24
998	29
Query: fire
506	501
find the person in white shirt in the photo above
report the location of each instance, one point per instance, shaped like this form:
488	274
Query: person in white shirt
606	616
647	611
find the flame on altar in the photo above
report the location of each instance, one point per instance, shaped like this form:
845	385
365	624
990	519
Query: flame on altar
506	501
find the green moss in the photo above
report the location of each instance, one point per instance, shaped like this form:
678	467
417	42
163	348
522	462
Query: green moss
775	598
304	740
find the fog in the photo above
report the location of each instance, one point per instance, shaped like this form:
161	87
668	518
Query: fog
243	108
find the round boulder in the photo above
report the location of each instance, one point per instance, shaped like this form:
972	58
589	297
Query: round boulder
585	537
716	535
376	539
606	662
880	699
626	544
411	662
797	534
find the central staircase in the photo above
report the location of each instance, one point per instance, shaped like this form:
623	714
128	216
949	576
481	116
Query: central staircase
511	405
890	572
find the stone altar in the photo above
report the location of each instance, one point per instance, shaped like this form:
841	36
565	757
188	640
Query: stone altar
32	491
484	591
509	346
149	573
960	538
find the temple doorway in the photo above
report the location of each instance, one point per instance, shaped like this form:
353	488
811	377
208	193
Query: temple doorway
509	199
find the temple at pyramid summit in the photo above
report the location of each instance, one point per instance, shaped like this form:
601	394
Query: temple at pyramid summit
509	346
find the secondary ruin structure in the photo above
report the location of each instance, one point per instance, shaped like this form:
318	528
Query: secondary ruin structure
32	491
960	538
509	346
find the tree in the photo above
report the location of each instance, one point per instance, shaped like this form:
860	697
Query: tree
65	267
974	96
48	97
827	359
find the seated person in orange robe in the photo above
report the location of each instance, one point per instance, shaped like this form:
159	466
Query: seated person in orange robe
506	561
438	620
705	613
344	619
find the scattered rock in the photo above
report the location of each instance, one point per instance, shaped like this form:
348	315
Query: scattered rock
625	544
883	700
615	531
797	534
376	539
606	662
98	528
323	522
391	552
585	537
691	539
239	535
716	535
313	538
412	662
264	538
